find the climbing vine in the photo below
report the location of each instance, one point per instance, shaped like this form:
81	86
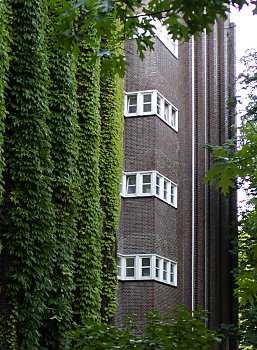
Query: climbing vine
111	156
27	211
4	65
62	158
63	127
88	253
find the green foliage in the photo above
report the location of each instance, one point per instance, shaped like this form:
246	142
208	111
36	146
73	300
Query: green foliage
248	321
183	19
111	156
58	177
27	211
247	270
63	128
4	66
246	279
87	302
237	166
179	330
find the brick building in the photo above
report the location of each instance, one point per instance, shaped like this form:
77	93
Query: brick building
175	232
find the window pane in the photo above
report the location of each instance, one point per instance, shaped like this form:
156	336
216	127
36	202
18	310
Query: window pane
147	103
146	178
145	261
130	272
165	263
147	98
147	108
157	268
165	189
146	188
119	266
146	267
172	194
158	184
132	104
130	267
166	111
131	184
147	183
158	105
131	179
131	190
132	109
157	262
173	117
130	262
146	272
171	273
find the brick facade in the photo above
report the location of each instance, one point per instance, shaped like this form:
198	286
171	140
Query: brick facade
198	84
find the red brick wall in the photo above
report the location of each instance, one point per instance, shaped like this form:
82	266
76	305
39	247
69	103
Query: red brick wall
148	225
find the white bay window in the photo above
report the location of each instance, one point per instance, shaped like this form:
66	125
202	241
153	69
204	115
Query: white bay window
149	183
151	102
147	267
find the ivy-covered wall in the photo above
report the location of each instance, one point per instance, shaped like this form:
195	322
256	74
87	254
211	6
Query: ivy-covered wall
26	210
61	125
111	157
4	65
63	128
87	299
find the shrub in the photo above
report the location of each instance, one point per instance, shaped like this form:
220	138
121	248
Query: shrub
180	330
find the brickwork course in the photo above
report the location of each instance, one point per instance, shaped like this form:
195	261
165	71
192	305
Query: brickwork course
198	233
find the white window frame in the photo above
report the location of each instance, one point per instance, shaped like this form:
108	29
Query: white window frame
162	33
141	267
166	112
165	189
127	185
165	270
160	104
142	184
157	109
130	267
166	38
128	105
173	117
147	103
138	266
139	187
119	265
157	268
159	185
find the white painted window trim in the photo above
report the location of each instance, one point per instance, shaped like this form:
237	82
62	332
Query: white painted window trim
138	268
126	105
140	105
166	38
162	34
139	186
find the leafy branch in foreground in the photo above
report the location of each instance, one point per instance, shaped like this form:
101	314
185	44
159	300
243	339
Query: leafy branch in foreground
237	157
183	18
180	330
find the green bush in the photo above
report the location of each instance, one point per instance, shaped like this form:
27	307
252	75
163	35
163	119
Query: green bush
180	330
